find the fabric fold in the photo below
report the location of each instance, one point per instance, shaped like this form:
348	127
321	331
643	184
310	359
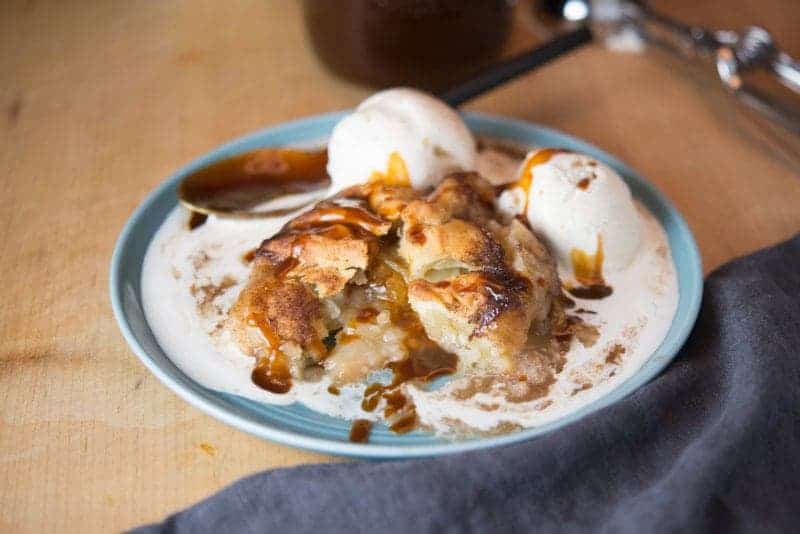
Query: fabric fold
713	443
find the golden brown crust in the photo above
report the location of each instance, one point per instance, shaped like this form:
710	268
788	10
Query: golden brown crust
390	201
465	195
434	247
327	246
476	285
313	257
496	309
323	261
449	229
286	307
525	254
493	281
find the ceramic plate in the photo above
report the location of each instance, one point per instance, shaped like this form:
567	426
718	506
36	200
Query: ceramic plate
298	426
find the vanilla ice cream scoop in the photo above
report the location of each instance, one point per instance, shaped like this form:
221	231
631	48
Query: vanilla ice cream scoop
399	136
582	208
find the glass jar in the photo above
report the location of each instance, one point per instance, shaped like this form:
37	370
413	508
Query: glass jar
429	44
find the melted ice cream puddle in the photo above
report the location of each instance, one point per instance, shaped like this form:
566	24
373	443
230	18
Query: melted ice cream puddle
190	280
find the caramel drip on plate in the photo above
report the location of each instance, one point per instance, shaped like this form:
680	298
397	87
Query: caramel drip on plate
588	270
323	217
359	432
272	372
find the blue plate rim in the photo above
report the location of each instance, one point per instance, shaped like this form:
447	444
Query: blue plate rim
208	402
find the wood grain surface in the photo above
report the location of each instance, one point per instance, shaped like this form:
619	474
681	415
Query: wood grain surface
99	101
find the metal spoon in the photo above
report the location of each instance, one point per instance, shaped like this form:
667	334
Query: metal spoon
267	182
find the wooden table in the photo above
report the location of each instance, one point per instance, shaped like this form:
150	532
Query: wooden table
101	100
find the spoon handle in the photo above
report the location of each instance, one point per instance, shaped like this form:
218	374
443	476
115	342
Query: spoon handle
501	72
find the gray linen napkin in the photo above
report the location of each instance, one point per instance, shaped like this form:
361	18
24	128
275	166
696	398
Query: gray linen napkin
712	444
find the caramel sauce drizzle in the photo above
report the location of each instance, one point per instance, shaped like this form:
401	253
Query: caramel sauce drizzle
588	270
272	372
323	217
526	180
396	172
329	220
425	360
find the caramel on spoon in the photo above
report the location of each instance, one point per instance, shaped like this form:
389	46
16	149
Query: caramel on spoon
240	186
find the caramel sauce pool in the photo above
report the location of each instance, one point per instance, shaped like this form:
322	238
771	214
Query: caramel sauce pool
252	178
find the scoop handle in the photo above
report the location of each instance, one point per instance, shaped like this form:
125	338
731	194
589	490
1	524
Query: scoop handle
499	73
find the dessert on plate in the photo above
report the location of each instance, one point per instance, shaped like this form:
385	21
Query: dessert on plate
445	284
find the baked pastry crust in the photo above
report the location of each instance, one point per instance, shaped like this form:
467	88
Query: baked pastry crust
349	284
